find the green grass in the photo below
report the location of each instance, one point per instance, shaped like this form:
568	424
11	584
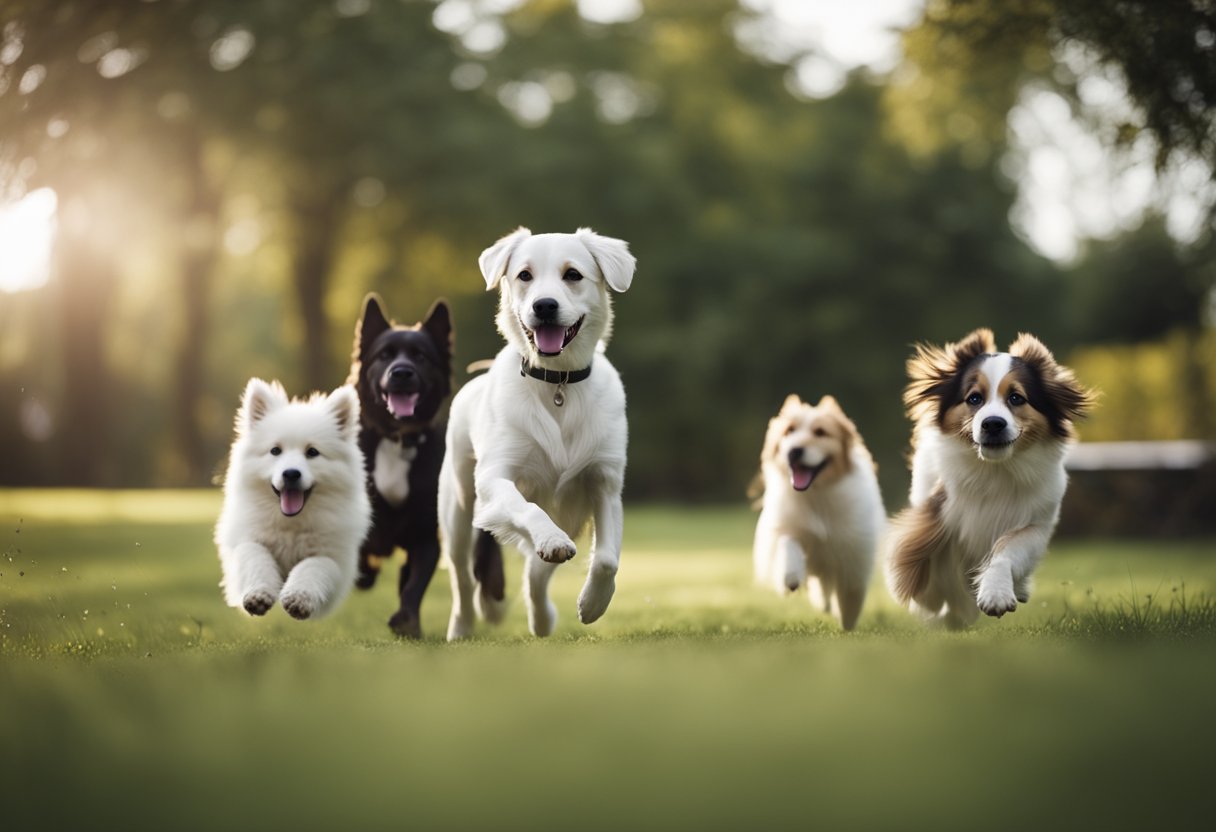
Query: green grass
130	697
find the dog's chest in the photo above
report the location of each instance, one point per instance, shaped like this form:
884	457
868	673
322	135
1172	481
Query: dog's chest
391	473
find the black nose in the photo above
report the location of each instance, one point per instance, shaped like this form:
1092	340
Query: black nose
545	308
402	372
993	424
291	476
795	455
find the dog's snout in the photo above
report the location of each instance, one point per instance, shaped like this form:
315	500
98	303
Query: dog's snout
795	455
545	308
402	372
291	477
993	424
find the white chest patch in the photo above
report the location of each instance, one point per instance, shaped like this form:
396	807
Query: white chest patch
392	472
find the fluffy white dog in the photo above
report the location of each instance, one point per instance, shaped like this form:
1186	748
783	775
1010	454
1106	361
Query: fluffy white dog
822	511
295	507
536	446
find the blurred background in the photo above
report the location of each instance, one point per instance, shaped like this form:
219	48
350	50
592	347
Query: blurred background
196	191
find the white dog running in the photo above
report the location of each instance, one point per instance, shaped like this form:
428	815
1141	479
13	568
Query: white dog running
536	446
295	506
822	511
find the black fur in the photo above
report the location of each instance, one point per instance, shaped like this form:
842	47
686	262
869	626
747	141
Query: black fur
426	349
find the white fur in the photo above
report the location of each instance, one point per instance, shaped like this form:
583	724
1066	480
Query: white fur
308	561
517	465
392	472
999	515
825	537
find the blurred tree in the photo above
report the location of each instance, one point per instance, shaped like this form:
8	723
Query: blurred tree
101	128
784	244
967	59
1139	286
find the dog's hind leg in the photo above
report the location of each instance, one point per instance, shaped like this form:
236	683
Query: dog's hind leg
849	601
421	559
542	612
491	597
456	527
605	557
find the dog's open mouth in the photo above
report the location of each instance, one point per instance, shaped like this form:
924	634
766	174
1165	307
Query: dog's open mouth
801	476
401	405
291	500
551	340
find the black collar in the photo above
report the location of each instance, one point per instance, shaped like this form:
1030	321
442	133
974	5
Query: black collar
554	376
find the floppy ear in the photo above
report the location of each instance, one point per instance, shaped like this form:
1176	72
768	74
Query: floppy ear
1066	398
343	405
934	370
258	400
612	257
494	260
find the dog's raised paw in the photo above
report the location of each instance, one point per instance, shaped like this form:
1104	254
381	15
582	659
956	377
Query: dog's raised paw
300	605
258	602
557	549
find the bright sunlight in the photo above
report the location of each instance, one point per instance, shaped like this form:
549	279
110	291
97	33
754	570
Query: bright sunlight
27	229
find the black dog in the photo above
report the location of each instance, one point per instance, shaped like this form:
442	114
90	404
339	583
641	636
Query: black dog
404	376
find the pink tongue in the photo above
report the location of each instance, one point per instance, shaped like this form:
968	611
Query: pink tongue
402	405
291	501
549	339
801	478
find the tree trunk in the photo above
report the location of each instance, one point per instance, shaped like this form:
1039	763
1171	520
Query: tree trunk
318	220
198	268
85	429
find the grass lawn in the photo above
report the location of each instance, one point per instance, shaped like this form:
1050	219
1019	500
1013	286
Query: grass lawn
131	697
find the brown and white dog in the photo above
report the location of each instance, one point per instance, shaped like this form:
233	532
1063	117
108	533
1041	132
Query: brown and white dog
992	431
821	514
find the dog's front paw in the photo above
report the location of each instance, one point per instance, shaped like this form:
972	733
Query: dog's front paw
300	605
597	593
556	548
995	597
258	602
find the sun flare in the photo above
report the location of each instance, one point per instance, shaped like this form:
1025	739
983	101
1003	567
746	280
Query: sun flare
27	231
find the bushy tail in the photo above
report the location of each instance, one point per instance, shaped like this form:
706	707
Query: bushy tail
916	533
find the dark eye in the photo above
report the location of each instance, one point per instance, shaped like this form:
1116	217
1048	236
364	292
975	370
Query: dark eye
789	429
525	275
276	450
1016	399
312	452
386	353
975	400
820	432
572	275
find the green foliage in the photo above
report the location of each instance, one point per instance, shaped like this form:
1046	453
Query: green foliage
237	203
969	57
